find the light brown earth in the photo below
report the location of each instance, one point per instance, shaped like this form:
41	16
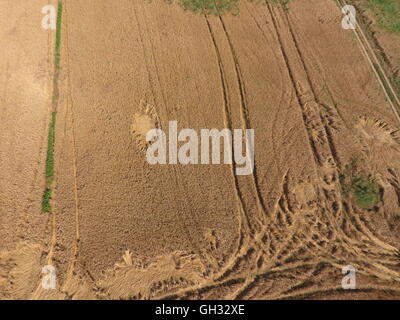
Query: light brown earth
124	229
25	98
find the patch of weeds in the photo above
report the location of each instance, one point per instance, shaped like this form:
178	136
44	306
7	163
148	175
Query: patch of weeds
213	7
282	3
387	12
219	7
209	7
397	83
360	188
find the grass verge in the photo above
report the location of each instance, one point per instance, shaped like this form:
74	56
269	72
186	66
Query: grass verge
387	12
49	170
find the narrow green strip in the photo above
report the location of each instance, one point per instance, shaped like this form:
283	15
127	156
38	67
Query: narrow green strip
57	57
46	207
50	150
49	171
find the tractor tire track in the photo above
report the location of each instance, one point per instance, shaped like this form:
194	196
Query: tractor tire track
70	106
376	66
175	174
357	224
245	120
329	151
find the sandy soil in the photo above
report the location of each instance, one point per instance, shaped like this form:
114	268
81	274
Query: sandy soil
122	228
25	73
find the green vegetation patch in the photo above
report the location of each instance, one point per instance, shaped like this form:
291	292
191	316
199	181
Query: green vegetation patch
359	187
397	83
387	12
46	207
219	7
210	7
50	150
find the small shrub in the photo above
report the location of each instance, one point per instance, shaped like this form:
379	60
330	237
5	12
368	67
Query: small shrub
361	189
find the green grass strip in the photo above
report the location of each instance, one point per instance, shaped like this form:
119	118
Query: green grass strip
50	150
46	206
49	170
57	56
